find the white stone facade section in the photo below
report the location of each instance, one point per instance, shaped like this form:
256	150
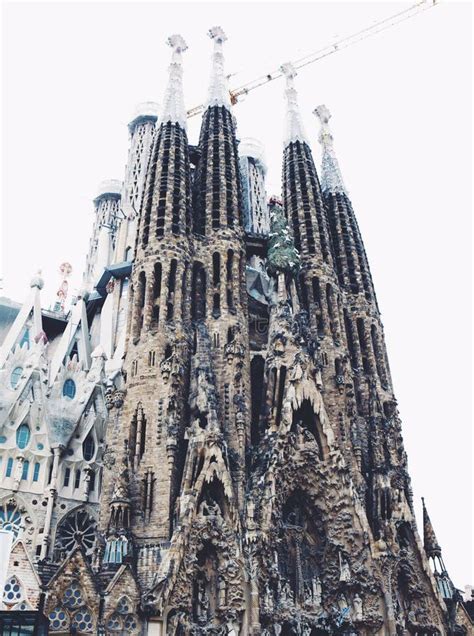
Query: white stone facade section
253	169
107	219
173	102
294	129
218	87
331	177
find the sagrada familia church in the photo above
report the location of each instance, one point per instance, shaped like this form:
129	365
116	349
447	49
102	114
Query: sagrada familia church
208	442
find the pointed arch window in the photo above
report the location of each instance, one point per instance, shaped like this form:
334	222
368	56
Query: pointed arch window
88	448
69	388
59	620
13	591
15	376
82	621
23	435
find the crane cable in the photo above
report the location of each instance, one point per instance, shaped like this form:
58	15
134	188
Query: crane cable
343	43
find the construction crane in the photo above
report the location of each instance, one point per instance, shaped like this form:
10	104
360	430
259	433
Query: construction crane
377	27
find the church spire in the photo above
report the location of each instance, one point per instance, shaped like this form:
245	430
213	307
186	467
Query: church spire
433	552
173	103
218	87
331	177
432	547
217	185
294	124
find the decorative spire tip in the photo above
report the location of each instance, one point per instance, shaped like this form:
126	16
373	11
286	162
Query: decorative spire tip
323	113
217	33
177	43
289	71
218	88
173	102
331	177
294	124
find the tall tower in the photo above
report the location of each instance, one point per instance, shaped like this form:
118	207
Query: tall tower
219	298
150	425
142	131
106	222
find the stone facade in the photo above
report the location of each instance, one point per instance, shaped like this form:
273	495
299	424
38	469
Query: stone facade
209	443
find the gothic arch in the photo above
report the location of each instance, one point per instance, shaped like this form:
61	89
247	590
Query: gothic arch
306	421
300	541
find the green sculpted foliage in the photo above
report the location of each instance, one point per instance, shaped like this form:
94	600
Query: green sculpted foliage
283	257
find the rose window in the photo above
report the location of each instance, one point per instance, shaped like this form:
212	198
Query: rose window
77	529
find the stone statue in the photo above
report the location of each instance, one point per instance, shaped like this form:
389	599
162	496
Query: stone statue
317	592
358	609
203	601
287	592
345	571
222	591
268	598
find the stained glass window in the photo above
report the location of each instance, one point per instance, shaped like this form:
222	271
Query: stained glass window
10	518
69	388
9	467
72	596
15	376
88	448
76	529
22	436
58	620
82	621
26	467
36	471
25	339
124	606
13	592
114	624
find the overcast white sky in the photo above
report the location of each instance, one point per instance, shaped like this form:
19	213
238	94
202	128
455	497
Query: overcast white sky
401	102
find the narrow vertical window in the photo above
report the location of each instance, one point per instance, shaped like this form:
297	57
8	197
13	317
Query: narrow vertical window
77	479
303	292
9	467
92	481
171	289
67	476
36	471
216	268
198	302
363	345
26	468
155	317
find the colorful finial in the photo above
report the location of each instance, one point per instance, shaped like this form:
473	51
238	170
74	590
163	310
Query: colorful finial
331	177
294	124
173	103
218	88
